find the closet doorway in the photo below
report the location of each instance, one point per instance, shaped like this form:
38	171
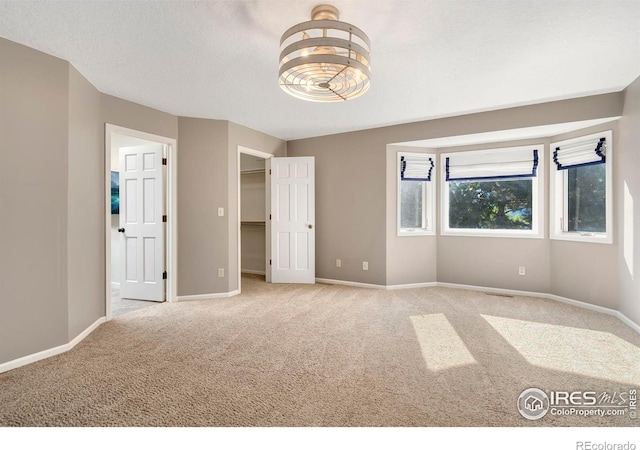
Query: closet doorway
253	215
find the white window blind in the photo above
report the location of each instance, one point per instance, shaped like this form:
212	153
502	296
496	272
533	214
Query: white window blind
509	163
580	153
416	167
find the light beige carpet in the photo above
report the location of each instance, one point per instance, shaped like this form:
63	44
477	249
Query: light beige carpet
290	355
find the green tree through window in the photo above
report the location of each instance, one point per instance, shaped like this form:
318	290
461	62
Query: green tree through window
500	204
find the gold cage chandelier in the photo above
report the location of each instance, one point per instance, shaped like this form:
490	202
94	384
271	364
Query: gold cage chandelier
325	60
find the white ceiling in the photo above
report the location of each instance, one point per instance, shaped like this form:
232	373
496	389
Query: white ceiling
430	58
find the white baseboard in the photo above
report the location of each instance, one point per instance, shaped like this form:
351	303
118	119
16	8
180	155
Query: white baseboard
4	367
349	283
75	341
376	286
394	287
182	298
600	309
254	272
569	301
492	290
628	321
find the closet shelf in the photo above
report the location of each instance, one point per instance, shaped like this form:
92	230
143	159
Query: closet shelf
253	222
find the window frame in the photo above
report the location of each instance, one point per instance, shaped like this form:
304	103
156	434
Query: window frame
428	199
558	194
537	198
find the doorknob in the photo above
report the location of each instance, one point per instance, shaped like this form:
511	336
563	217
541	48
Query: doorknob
310	226
121	230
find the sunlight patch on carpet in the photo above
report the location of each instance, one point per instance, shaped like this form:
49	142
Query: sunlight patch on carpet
442	348
579	351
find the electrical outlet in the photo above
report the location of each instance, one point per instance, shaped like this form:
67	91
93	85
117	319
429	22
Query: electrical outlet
521	270
220	273
338	263
365	265
220	212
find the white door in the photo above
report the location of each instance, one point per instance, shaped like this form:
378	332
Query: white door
293	233
141	227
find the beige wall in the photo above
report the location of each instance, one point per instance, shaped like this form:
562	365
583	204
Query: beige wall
585	271
124	113
202	189
494	262
86	251
627	192
253	195
253	248
34	105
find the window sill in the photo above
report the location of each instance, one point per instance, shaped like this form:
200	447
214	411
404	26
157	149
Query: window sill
493	234
417	232
594	238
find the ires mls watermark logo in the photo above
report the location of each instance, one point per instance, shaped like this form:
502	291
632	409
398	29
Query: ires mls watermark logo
534	403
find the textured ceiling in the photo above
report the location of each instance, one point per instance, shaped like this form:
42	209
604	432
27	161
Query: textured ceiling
219	59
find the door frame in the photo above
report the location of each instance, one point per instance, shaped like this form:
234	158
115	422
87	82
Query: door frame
267	181
170	188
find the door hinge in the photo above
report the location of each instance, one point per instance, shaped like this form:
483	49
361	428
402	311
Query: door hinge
164	218
269	171
269	262
164	161
164	275
269	216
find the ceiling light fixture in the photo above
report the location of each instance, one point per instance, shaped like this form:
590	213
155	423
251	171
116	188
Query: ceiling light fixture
325	60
